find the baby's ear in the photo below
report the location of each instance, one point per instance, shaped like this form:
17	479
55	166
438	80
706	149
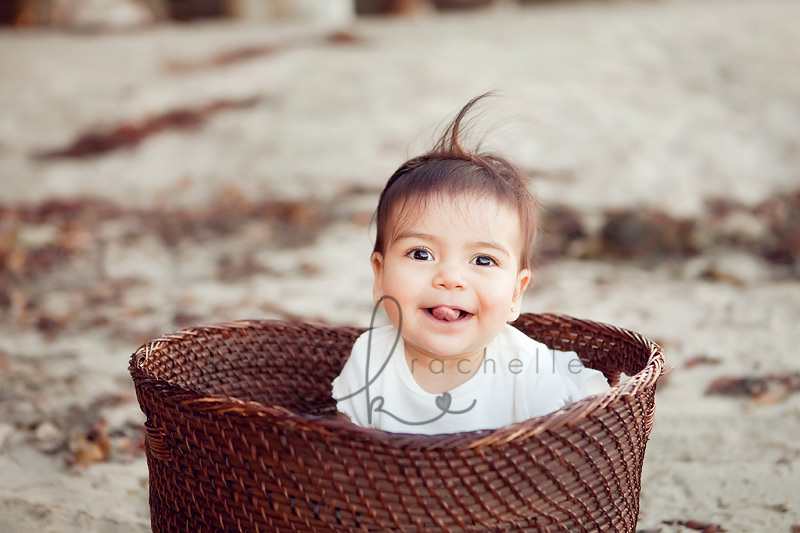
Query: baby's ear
524	278
377	271
377	264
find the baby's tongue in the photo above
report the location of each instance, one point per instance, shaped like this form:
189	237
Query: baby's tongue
445	313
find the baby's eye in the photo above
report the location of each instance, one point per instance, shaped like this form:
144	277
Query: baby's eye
483	260
420	255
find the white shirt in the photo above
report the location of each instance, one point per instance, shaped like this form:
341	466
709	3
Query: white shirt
519	379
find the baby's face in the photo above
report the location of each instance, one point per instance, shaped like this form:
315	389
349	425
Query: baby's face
454	270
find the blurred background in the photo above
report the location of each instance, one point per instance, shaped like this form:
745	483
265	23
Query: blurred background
167	163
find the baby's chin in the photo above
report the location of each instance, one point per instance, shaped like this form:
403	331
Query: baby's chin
440	350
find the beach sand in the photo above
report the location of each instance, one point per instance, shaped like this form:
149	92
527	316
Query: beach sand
254	201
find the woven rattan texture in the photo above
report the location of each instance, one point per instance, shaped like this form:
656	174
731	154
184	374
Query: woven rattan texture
239	438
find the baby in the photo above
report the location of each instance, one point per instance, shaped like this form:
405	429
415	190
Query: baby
451	262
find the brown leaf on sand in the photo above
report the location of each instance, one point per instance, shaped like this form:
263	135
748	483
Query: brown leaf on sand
702	359
252	52
223	59
50	326
91	447
782	213
343	37
5	365
562	229
697	525
645	234
782	507
721	276
25	262
230	268
768	389
184	320
128	135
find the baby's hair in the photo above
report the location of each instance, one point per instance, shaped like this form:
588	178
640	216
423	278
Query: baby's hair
448	171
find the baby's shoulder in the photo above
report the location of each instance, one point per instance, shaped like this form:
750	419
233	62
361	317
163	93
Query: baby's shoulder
381	337
563	370
534	357
369	353
511	342
373	344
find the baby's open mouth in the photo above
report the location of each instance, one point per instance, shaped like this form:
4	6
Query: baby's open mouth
447	314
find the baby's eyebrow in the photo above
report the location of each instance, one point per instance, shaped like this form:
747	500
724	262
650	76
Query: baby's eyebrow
489	244
433	238
416	235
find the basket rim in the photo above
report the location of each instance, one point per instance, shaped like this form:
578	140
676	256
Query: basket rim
327	426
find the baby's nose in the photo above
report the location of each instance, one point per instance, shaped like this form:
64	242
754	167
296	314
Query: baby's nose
449	277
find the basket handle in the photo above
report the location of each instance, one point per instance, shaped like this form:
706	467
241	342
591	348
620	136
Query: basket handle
154	441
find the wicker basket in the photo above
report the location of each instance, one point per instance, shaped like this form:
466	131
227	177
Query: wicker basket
240	438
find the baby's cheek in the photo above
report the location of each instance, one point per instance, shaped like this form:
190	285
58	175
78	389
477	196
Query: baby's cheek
405	287
500	301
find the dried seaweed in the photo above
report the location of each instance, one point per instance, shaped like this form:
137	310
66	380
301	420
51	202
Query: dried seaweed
562	228
252	52
232	269
702	359
62	246
223	59
91	447
782	213
645	234
129	135
697	525
767	389
76	229
769	230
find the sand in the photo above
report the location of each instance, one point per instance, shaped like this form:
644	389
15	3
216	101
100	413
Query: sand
634	105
